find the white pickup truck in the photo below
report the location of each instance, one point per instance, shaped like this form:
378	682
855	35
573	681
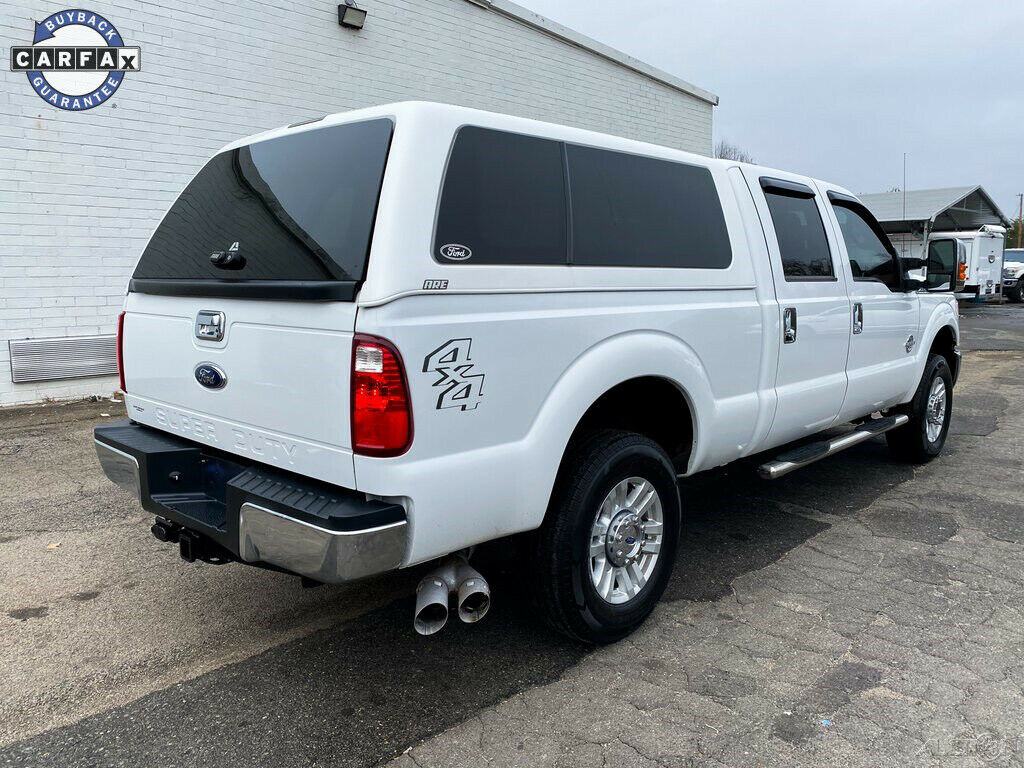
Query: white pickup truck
378	339
1013	274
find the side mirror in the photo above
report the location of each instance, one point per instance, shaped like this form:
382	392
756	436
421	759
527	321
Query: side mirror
914	273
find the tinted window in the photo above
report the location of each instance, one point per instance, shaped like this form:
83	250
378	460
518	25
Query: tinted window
503	201
299	207
870	257
801	236
942	265
636	211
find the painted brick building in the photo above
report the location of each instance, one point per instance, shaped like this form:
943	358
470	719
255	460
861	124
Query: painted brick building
80	192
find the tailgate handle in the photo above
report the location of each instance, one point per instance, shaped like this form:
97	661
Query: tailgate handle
210	325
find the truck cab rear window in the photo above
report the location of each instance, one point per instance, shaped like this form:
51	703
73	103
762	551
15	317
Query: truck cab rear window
505	200
298	207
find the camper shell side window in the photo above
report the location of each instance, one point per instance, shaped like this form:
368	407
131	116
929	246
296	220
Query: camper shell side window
509	198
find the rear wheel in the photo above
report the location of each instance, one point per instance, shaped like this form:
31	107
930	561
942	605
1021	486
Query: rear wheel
606	550
923	437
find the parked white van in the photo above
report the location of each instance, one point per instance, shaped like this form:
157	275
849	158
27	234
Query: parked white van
381	338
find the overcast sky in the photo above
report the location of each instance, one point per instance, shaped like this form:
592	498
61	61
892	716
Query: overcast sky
840	90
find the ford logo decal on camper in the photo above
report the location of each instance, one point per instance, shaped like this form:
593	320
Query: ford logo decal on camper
210	376
456	252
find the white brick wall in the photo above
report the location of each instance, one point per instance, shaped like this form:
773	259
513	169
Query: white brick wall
80	192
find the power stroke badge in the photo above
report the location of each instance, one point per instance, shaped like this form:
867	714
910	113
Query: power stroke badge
77	60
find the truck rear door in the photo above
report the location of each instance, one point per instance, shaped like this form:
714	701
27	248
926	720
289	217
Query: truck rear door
813	304
989	260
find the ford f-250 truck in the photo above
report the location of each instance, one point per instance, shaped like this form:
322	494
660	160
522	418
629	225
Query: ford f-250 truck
383	337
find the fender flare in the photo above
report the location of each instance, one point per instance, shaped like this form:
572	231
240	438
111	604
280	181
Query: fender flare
594	372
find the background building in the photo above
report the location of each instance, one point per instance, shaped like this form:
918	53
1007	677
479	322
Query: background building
906	216
80	192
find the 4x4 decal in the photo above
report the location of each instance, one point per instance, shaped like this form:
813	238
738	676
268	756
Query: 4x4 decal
460	388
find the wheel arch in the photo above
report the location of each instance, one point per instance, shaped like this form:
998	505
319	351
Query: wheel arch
653	406
945	343
619	369
941	335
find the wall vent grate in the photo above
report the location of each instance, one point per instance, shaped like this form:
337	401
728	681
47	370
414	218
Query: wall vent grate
68	357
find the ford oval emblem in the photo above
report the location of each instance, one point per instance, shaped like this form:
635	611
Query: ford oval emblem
210	376
456	252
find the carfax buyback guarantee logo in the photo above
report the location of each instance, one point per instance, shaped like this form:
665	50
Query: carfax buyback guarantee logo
77	59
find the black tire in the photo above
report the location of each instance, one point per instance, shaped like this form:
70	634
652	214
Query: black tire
1016	294
911	443
594	466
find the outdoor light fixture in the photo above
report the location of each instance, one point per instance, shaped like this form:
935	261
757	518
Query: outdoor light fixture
350	16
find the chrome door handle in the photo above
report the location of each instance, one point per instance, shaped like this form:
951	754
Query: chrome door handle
858	317
789	325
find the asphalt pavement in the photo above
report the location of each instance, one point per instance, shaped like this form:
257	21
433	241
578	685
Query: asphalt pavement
856	613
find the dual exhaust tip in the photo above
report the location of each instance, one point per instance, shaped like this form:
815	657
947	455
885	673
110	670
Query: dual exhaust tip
455	577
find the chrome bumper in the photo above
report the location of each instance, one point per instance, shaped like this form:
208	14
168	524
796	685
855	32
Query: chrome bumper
329	556
120	468
264	518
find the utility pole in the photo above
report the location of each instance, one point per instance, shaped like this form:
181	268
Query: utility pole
903	248
1020	219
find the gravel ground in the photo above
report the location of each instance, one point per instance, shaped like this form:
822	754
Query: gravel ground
857	613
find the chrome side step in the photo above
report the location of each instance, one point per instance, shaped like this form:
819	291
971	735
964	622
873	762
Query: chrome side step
808	454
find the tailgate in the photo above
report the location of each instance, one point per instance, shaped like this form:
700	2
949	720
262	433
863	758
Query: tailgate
285	369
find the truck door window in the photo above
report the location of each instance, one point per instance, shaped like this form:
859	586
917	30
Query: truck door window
503	201
871	256
635	211
942	264
801	234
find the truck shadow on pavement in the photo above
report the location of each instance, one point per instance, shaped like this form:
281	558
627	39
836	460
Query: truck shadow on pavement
363	691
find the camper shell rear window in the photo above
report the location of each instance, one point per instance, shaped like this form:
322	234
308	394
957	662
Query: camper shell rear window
287	218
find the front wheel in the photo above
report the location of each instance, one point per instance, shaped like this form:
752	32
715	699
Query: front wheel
606	550
1016	294
930	412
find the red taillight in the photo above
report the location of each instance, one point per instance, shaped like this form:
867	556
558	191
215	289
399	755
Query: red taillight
120	351
381	414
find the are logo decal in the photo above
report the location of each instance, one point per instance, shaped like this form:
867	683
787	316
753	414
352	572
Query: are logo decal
456	252
210	376
460	384
77	60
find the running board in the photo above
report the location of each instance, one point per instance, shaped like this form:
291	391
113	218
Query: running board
808	454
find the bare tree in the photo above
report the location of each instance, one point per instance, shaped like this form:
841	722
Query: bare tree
727	151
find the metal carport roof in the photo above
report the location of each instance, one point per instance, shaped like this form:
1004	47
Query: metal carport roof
942	210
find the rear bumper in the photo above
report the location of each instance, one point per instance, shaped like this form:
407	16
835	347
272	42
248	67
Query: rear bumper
251	513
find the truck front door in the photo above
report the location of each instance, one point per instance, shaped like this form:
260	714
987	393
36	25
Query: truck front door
884	320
